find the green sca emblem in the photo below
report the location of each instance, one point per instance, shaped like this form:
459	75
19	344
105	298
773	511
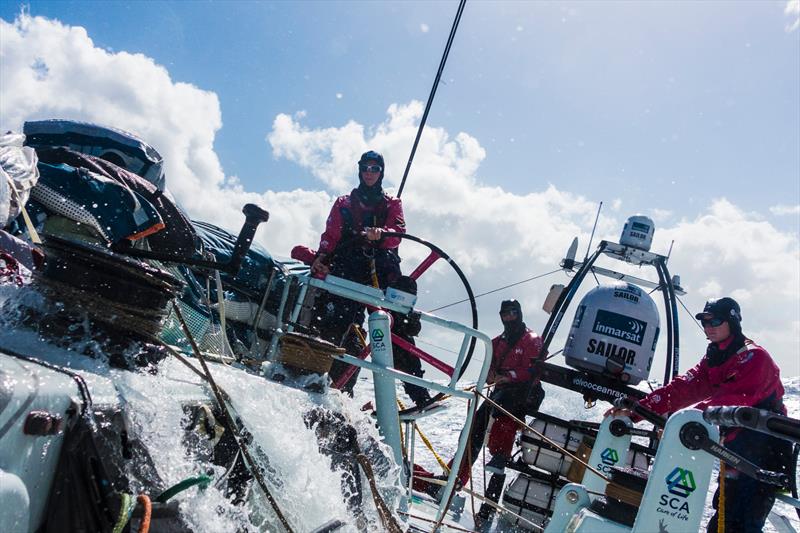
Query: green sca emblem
377	335
610	456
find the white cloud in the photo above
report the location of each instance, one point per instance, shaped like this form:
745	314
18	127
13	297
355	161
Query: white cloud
792	10
781	210
51	70
54	71
424	28
728	251
661	215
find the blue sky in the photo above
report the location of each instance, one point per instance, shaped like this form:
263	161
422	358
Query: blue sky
687	112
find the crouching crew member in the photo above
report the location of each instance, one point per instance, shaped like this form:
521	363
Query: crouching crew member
514	353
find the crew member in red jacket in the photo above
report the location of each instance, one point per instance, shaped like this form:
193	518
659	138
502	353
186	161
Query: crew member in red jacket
514	353
353	247
734	371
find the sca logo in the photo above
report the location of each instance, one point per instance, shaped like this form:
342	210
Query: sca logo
377	335
680	482
609	456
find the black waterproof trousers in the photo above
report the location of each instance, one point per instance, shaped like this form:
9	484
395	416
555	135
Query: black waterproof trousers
747	501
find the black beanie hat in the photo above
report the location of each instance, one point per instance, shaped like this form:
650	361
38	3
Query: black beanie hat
724	308
511	305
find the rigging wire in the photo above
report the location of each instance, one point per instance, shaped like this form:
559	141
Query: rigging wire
591	237
436	346
433	92
690	313
496	290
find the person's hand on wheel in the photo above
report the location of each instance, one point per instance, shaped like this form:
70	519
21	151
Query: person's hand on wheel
373	234
318	267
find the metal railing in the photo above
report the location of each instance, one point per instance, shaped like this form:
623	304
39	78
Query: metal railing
370	296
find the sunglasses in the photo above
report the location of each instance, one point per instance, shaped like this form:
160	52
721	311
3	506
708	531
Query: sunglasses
508	312
370	168
713	322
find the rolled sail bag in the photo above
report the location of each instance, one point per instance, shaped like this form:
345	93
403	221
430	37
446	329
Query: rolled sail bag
178	237
112	210
111	144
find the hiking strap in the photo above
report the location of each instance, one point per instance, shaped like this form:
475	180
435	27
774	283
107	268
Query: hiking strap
721	501
28	223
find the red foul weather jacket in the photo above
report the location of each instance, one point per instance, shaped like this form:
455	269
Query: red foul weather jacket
350	215
749	377
517	362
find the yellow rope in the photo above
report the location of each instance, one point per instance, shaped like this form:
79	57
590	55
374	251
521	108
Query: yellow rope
721	501
359	334
426	442
374	274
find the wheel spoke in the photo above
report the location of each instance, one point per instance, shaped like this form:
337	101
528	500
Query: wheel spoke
428	358
425	265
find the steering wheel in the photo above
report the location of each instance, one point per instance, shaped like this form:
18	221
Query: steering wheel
435	254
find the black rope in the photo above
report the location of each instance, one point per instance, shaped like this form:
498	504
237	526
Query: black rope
496	290
433	92
83	388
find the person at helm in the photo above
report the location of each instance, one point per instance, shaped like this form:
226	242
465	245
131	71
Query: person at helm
353	247
734	371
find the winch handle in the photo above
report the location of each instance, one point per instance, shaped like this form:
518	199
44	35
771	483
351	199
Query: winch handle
757	419
253	216
631	404
694	436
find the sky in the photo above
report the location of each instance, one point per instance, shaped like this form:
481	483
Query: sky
685	112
